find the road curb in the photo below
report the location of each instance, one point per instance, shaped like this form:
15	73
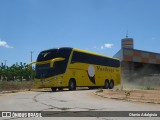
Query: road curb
104	95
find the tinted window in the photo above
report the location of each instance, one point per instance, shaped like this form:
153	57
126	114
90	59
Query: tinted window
93	59
62	65
47	55
44	70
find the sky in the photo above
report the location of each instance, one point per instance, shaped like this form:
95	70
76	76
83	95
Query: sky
93	25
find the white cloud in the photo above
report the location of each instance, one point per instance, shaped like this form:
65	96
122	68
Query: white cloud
108	45
4	44
102	47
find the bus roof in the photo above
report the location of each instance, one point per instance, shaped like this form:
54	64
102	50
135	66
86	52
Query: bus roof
80	50
57	48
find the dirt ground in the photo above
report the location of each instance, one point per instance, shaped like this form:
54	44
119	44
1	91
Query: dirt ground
147	96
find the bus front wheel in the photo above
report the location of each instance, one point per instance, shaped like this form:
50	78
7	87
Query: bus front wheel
60	88
106	84
72	85
111	84
54	89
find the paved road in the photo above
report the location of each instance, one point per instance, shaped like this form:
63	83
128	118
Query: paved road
81	100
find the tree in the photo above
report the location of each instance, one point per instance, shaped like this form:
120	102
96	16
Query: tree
16	72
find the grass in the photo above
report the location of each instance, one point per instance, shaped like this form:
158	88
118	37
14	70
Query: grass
13	85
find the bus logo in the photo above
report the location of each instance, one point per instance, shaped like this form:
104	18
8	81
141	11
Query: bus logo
91	73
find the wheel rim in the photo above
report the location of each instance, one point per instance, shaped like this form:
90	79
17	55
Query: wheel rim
111	84
71	85
106	84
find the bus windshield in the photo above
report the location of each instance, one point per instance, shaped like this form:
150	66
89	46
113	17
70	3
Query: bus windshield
44	70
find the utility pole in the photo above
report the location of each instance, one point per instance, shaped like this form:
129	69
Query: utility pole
31	65
5	62
31	55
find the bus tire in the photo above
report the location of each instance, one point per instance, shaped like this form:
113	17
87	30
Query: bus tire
60	88
111	84
54	89
106	84
72	84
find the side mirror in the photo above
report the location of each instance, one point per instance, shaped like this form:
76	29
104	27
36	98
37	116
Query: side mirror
44	62
55	60
29	65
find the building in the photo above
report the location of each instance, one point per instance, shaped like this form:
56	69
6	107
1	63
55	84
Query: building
138	64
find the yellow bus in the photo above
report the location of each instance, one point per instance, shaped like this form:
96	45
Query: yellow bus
71	67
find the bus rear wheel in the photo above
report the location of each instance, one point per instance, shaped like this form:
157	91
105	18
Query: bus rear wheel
72	85
111	84
106	84
54	89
